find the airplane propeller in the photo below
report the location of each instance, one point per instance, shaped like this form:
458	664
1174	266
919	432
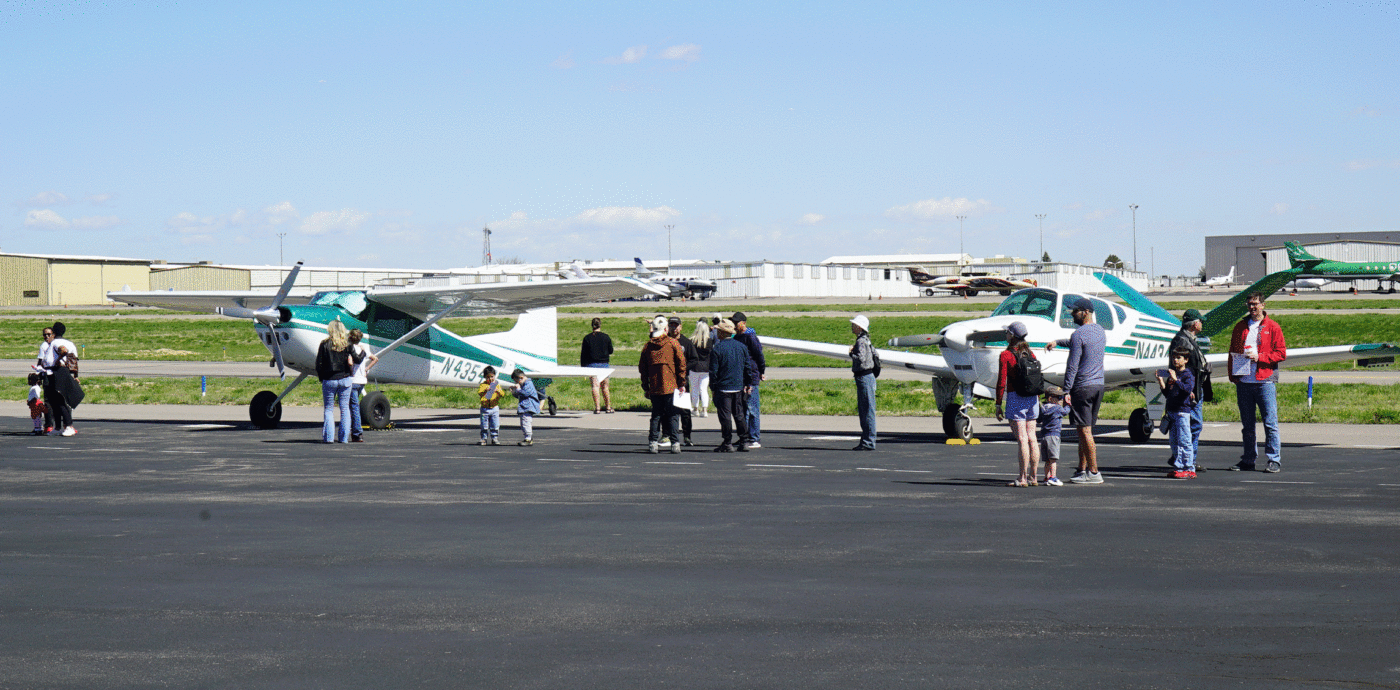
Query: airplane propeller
270	316
926	340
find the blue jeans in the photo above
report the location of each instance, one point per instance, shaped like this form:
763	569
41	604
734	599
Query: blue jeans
335	392
1261	395
356	391
865	406
490	423
1198	422
752	417
1183	453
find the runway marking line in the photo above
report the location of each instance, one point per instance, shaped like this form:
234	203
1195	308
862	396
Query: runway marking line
833	438
794	467
1269	481
564	460
206	426
881	469
664	462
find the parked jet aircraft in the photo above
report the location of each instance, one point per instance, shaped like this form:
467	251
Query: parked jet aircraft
400	326
689	287
1139	334
1225	280
1305	264
965	285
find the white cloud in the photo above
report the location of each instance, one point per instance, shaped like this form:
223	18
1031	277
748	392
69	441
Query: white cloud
278	214
322	222
625	215
688	52
45	219
101	199
945	208
47	199
630	56
96	222
1101	214
812	218
565	61
1278	209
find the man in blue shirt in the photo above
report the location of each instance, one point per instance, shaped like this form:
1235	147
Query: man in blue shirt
1084	383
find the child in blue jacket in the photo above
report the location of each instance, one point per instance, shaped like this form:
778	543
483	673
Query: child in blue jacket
529	405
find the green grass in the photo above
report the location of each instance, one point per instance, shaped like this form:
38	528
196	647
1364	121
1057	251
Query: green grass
1333	403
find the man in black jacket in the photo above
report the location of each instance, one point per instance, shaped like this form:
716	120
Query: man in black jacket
1191	324
673	329
748	337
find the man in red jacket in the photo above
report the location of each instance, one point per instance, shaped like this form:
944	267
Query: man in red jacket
1256	349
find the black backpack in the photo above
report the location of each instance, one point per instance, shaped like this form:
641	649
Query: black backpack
1028	379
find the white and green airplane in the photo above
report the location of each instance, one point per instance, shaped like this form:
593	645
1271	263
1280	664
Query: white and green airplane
400	327
1139	335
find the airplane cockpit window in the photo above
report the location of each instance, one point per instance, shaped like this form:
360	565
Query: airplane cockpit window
1122	315
1033	302
353	302
1103	314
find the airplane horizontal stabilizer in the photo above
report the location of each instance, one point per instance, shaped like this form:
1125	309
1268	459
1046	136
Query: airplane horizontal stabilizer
933	365
1231	310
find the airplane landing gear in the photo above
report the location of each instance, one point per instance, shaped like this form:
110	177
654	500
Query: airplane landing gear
1139	425
956	423
375	410
265	411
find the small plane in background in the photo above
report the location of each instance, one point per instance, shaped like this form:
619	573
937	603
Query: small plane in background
969	286
1226	280
400	327
1309	283
1139	333
1305	264
689	287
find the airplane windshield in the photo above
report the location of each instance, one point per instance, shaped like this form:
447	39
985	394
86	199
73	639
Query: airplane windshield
1034	302
353	301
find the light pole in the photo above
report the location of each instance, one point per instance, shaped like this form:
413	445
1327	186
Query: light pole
280	260
960	237
1041	217
668	247
1134	207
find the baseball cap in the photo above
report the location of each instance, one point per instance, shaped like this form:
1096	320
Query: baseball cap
1017	329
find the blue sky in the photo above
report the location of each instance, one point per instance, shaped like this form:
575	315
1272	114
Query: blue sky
384	135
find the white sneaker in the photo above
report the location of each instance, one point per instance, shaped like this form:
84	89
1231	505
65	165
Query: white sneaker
68	432
754	444
675	447
653	448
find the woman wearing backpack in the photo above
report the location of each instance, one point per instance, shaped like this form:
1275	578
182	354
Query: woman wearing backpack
1021	409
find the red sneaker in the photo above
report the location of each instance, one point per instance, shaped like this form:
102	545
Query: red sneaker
1180	474
1190	474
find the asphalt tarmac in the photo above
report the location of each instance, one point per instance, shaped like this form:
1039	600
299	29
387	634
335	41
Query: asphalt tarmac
167	546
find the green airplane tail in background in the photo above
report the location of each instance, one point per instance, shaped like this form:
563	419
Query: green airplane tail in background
1299	257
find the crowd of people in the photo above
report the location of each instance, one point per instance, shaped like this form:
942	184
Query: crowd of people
722	362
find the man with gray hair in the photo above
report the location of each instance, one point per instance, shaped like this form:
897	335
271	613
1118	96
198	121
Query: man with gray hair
1185	339
863	368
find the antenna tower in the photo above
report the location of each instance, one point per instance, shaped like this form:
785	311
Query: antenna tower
485	246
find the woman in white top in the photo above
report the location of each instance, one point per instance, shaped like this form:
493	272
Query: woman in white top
358	381
59	382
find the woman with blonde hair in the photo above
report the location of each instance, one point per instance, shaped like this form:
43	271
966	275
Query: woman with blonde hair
335	365
698	369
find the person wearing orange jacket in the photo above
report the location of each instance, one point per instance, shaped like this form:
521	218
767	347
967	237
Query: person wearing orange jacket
1256	349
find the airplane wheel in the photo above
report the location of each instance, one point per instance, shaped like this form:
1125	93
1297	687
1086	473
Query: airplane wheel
553	409
955	423
1139	426
928	292
1005	293
263	413
375	410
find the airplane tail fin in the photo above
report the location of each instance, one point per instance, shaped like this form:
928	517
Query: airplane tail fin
1135	299
1299	257
535	334
1231	310
642	269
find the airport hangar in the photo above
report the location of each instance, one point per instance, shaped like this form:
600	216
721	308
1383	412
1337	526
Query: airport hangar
1255	256
57	280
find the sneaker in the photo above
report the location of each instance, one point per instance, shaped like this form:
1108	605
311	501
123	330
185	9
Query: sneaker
742	448
1179	474
754	444
1242	466
70	431
1272	466
527	442
1052	481
675	448
483	442
724	449
53	433
495	442
357	439
862	448
1079	477
38	432
1190	474
48	429
653	448
1094	478
687	442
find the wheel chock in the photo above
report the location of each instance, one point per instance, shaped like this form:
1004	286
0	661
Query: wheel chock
960	442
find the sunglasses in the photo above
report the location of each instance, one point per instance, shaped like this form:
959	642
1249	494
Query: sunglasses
48	335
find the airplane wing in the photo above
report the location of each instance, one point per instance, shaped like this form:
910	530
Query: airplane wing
933	365
508	298
213	301
1120	372
562	371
